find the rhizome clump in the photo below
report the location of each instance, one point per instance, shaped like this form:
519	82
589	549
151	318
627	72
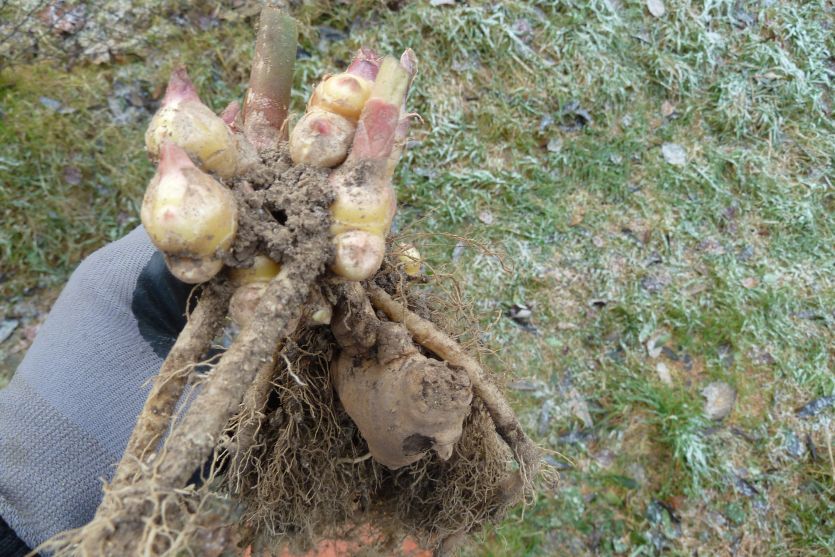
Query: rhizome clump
306	470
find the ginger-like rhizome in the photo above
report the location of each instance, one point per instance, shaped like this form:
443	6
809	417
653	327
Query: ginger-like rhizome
285	229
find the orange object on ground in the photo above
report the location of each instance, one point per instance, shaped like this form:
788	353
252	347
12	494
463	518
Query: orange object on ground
355	540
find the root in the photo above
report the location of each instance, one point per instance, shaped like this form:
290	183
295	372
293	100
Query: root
527	454
154	420
191	443
243	433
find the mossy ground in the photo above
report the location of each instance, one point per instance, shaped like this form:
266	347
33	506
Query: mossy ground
543	137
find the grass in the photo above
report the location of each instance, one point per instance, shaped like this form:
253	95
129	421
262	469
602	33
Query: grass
551	117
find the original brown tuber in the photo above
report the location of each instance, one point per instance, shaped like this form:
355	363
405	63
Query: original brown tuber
184	119
403	403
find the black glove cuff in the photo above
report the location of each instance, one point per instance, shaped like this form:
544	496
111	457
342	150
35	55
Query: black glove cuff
159	305
10	544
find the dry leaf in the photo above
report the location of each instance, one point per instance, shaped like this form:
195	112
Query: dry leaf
577	216
750	282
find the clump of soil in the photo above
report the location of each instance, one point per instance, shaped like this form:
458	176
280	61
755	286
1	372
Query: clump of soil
278	204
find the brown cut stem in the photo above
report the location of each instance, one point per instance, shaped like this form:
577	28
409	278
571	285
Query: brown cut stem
192	441
268	98
152	423
426	333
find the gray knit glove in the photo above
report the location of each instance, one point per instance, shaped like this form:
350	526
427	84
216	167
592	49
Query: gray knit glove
66	416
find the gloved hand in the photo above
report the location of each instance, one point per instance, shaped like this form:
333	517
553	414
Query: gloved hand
66	415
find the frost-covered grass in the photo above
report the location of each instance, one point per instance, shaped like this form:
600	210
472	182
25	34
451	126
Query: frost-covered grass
543	138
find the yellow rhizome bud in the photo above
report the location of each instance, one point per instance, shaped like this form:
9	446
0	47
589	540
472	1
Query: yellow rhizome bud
263	270
343	94
321	138
185	211
193	271
409	257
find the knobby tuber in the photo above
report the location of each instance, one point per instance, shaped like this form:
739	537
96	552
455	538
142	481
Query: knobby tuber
289	237
188	215
403	402
365	200
324	134
250	285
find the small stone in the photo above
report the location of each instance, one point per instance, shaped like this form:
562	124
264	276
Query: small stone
574	117
653	348
72	175
486	217
637	472
7	328
521	315
523	29
667	109
655	283
719	400
554	145
664	373
674	154
656	8
51	104
793	445
458	251
816	407
605	458
746	488
330	34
